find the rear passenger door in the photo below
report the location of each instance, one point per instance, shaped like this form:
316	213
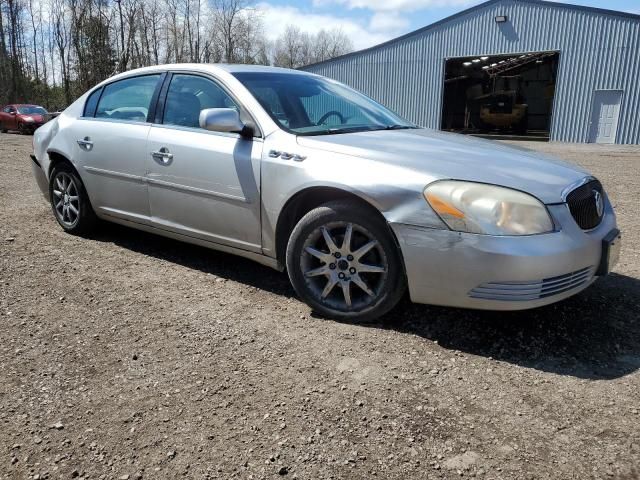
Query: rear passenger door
203	184
111	146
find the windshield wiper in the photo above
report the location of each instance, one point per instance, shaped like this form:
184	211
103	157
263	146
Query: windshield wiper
336	130
399	127
359	128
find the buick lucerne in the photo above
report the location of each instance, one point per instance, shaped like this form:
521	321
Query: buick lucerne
300	172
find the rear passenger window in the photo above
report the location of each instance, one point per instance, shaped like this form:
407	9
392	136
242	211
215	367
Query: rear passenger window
188	95
128	99
92	104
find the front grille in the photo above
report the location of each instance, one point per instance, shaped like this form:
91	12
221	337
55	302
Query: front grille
523	291
583	205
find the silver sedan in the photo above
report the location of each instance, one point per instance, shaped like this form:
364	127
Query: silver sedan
302	173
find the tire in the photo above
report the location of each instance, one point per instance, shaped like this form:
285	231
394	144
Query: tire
358	282
22	129
69	201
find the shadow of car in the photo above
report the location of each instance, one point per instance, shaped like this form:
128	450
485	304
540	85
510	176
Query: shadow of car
593	335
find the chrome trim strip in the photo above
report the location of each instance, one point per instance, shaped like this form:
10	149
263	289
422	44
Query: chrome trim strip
565	193
540	290
197	191
111	173
523	291
162	183
546	281
199	130
114	120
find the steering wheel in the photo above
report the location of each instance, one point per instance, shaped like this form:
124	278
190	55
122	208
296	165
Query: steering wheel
328	114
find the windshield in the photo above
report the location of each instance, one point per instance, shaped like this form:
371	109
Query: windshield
31	110
312	105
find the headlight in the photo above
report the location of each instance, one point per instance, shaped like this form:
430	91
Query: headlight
28	119
487	209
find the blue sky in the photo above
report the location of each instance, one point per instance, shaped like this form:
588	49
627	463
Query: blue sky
368	22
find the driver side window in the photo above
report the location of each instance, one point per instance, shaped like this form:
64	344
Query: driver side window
190	94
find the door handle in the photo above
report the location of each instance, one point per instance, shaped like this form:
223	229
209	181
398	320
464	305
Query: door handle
163	155
86	144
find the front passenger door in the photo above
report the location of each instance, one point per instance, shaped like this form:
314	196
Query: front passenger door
203	184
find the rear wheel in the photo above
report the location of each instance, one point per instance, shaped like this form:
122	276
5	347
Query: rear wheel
69	200
344	263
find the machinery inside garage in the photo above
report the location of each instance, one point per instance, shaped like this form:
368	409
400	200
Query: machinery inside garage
508	95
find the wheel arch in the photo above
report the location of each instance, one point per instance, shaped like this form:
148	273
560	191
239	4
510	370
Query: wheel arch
305	200
56	158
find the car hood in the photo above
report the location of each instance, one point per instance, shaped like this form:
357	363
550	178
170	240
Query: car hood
443	155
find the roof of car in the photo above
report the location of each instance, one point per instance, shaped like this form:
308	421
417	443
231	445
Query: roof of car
18	105
213	67
237	68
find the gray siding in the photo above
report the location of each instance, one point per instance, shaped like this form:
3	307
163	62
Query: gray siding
598	50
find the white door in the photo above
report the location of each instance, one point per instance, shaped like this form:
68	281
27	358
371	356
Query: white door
606	110
111	148
203	184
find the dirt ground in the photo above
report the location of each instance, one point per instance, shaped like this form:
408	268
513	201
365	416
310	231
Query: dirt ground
127	355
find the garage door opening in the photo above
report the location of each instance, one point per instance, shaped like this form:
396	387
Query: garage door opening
500	96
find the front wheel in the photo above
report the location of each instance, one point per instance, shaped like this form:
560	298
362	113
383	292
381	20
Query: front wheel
69	201
344	263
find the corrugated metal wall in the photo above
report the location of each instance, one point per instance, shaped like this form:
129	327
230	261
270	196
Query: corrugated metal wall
597	51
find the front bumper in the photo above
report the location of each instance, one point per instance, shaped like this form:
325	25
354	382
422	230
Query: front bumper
502	273
33	126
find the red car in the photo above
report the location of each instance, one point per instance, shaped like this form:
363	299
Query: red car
23	118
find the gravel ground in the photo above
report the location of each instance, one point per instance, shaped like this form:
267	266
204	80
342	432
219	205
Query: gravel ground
127	355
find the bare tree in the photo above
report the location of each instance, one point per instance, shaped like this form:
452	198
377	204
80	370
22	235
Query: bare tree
294	48
61	40
235	20
51	51
290	48
329	44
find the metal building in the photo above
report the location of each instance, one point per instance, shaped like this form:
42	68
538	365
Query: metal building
510	67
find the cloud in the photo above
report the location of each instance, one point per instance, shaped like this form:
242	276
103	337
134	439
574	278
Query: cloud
395	5
388	22
277	17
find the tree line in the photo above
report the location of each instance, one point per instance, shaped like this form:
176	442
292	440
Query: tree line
52	51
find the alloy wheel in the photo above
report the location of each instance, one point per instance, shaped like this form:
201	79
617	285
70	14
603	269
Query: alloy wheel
344	266
66	199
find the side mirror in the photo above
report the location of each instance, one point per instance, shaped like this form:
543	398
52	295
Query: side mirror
224	120
13	112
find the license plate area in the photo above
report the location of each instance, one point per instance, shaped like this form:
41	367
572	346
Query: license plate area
611	245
